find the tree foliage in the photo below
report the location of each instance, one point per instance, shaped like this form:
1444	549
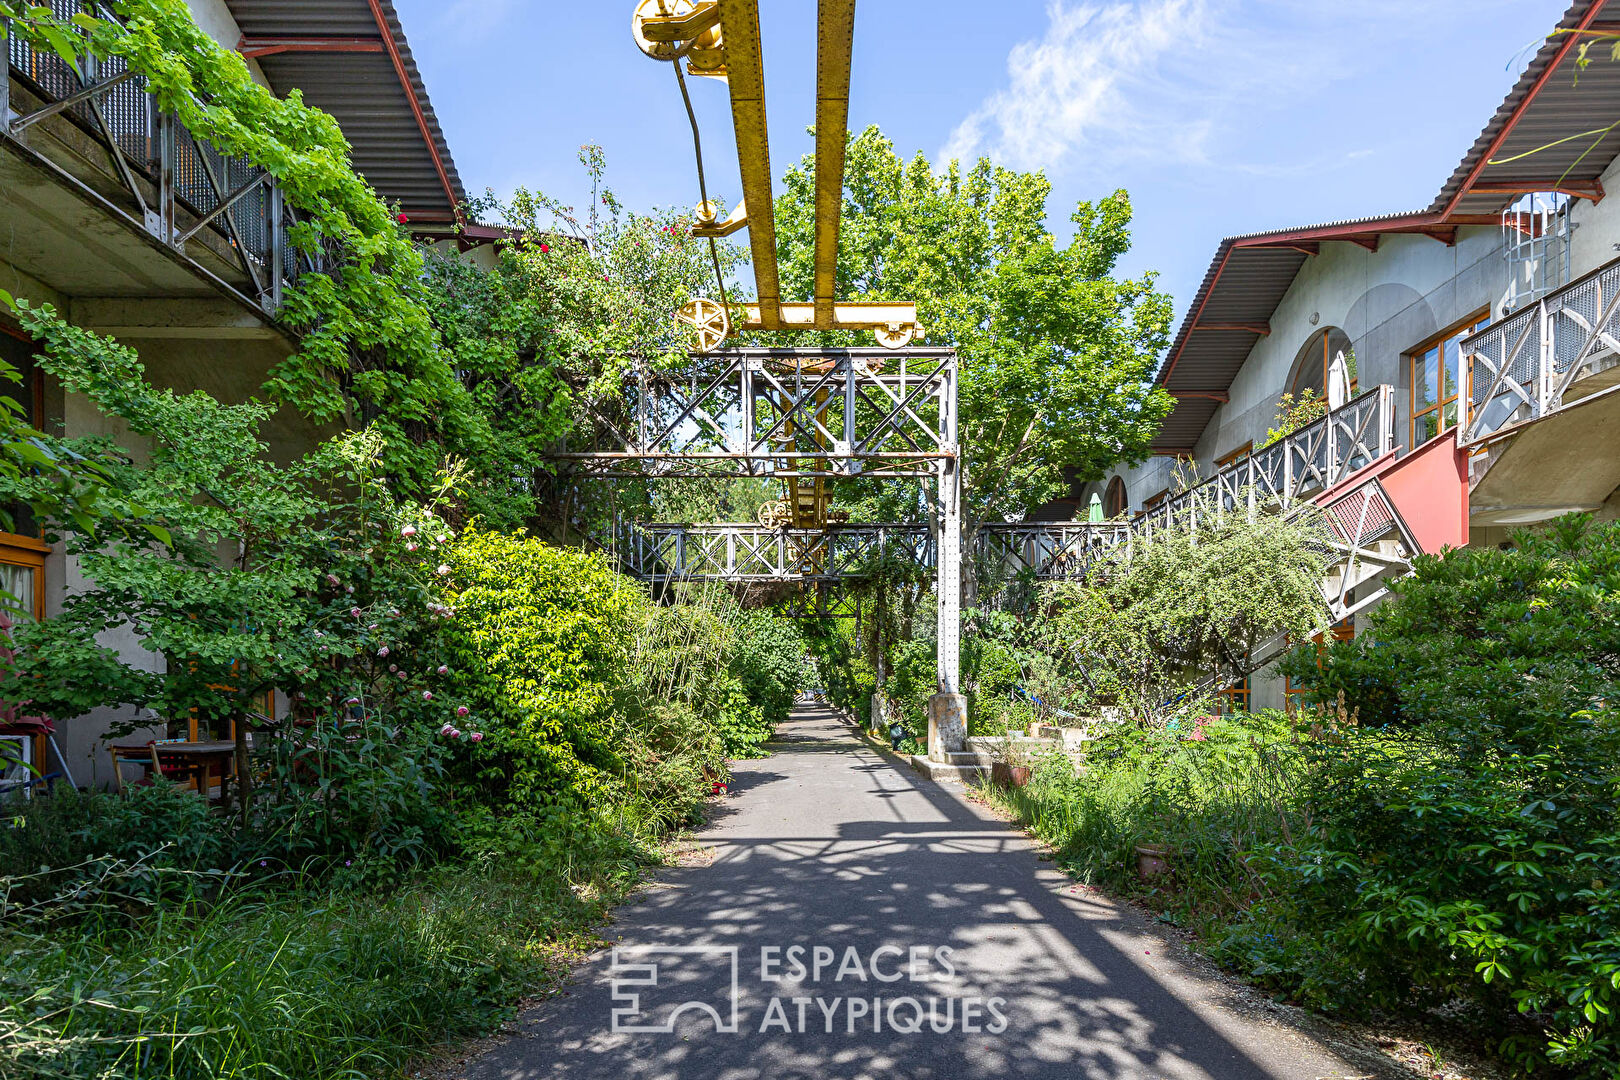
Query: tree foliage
1057	352
574	302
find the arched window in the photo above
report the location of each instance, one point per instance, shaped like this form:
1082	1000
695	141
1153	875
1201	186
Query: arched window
1115	499
1315	357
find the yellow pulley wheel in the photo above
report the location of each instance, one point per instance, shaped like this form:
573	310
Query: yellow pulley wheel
707	324
708	41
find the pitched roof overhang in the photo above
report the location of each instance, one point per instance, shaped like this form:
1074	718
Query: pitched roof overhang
1549	132
350	58
1250	274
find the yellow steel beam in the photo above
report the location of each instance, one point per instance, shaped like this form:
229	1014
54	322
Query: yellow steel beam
835	34
872	315
745	77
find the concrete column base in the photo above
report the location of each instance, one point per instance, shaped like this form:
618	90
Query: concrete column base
947	725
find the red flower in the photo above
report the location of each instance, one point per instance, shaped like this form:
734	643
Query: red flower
402	219
544	248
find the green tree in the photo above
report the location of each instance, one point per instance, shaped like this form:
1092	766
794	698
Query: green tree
543	339
1057	353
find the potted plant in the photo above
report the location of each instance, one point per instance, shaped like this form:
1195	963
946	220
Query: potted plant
1012	764
1152	860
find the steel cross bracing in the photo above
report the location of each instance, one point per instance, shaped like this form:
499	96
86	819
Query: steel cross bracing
745	553
786	413
1521	367
758	412
175	185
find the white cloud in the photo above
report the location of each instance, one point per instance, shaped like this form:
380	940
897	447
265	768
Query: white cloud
1173	82
1094	79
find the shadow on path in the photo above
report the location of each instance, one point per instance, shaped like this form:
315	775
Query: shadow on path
897	891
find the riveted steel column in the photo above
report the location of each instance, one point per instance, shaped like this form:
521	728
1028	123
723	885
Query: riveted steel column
947	709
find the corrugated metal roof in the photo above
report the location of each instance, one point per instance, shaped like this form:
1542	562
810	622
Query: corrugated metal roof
1552	100
1247	278
363	91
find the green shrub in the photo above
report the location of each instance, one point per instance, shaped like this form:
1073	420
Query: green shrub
541	643
769	663
1473	852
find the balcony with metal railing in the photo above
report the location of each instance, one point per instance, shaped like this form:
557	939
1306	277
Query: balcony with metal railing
109	195
1562	348
1305	463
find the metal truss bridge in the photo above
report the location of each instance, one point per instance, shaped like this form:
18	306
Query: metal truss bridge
1328	464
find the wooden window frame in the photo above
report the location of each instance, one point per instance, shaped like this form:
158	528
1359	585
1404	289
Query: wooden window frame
1235	698
1115	483
1235	455
1414	357
28	552
1344	630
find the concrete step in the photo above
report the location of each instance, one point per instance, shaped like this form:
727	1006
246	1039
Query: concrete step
990	744
946	773
970	757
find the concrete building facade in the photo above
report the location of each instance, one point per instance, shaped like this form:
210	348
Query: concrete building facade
110	216
1422	302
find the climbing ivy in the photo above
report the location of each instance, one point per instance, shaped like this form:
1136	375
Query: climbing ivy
368	354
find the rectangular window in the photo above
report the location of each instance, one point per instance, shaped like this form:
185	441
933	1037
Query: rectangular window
1234	699
1240	452
1437	377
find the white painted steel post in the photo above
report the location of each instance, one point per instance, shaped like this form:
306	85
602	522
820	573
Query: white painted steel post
947	709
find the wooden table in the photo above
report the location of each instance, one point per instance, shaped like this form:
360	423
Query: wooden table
198	759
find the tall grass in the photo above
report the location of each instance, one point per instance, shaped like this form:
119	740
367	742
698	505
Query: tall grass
142	967
310	984
1211	801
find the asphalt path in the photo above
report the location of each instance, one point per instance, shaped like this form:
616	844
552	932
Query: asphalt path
857	920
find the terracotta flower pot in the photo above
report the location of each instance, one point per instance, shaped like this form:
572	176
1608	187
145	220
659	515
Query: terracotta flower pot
1152	860
1005	775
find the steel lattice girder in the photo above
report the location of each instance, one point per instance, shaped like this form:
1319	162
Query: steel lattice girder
752	553
780	413
743	552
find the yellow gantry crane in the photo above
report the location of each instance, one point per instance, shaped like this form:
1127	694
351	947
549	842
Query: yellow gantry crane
720	39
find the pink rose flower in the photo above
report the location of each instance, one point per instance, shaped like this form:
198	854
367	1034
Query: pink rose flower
355	612
444	568
462	710
447	729
444	669
427	695
409	530
477	736
383	651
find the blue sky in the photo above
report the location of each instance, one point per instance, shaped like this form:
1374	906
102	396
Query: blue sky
1219	116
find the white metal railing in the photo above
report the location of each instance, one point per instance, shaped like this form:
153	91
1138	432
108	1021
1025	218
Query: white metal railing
1303	464
1282	477
178	184
742	552
1522	367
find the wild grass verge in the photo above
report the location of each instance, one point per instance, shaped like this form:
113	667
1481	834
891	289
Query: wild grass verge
335	980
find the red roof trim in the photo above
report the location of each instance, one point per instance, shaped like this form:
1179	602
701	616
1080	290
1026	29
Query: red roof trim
416	106
1571	37
1226	252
